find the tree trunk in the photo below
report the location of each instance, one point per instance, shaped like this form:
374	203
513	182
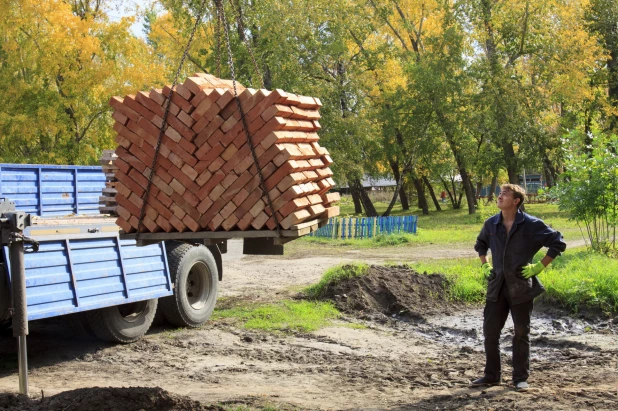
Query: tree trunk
398	181
420	190
479	187
492	189
451	195
370	210
403	196
358	208
436	203
550	172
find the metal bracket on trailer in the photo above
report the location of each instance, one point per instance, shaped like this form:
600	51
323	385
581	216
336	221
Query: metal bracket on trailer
12	225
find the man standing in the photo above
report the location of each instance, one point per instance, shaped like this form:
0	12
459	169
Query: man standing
513	237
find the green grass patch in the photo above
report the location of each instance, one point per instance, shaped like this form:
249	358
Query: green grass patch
334	275
447	227
283	316
466	282
580	278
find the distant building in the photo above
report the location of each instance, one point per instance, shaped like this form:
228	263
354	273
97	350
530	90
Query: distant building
372	184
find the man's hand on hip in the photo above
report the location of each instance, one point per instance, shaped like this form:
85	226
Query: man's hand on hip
532	270
486	269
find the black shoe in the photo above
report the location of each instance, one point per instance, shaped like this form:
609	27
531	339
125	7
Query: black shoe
484	382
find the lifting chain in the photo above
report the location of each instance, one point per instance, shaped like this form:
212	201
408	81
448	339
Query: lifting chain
241	27
219	4
168	101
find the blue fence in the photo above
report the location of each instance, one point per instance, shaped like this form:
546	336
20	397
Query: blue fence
366	227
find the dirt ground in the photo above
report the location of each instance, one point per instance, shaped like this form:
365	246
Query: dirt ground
416	351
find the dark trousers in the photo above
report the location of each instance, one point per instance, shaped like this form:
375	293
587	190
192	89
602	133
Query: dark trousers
493	321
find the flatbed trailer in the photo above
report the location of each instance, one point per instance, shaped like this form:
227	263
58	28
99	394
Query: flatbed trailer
85	264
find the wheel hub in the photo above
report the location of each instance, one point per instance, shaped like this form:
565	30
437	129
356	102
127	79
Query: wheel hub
198	285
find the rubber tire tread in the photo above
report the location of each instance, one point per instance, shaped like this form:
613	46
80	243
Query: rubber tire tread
101	323
171	306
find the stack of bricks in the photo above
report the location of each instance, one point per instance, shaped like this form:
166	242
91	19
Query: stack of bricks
205	177
107	201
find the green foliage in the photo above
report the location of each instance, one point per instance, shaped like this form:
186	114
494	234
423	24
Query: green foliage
284	316
483	212
335	275
589	190
578	279
466	282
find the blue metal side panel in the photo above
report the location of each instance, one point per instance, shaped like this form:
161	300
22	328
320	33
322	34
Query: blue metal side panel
72	275
48	190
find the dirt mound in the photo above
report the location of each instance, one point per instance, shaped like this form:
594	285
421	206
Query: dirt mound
106	399
393	290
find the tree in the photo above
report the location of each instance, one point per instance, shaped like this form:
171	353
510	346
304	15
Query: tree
60	63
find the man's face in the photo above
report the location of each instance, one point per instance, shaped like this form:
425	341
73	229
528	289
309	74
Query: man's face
506	200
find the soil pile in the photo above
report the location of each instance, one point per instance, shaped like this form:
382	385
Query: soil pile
393	291
106	399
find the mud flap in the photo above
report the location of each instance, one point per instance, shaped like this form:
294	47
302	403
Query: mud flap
261	246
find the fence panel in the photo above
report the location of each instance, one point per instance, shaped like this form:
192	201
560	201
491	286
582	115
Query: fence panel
363	227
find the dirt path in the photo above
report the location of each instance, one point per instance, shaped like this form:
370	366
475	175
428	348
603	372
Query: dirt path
391	364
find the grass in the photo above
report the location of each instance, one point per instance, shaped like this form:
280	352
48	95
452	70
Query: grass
284	316
448	227
578	279
334	275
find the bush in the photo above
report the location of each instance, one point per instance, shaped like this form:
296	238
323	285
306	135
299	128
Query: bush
589	191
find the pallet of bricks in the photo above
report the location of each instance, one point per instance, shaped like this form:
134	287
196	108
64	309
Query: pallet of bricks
206	177
107	201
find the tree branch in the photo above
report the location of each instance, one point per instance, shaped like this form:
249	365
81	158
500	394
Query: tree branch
403	43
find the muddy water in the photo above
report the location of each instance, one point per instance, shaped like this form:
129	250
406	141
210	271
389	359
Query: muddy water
552	336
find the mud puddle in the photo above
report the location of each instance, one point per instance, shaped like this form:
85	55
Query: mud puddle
419	304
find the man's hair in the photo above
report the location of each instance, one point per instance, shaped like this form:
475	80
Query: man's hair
517	190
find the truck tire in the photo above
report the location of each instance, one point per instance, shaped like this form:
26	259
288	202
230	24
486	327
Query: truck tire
122	323
5	296
193	270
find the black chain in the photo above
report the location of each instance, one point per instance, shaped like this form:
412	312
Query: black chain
247	44
244	119
218	35
168	102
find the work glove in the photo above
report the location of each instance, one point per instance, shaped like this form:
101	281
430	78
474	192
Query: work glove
486	269
531	270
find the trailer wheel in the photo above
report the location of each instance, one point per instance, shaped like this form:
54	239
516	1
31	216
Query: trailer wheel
122	323
194	273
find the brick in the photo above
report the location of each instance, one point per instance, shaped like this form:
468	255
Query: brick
204	205
259	221
191	223
187	208
215	222
240	197
119	117
205	190
124	225
191	198
211	212
177	211
316	210
244	222
216	192
207	130
178	100
331	212
164	224
184	92
203	178
158	97
331	198
257	208
295	218
183	179
211	154
178	187
117	103
189	172
181	128
227	210
230	222
216	164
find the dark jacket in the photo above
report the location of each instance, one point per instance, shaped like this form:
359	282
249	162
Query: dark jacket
511	253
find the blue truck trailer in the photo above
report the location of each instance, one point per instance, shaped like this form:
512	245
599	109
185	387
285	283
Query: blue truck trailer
60	256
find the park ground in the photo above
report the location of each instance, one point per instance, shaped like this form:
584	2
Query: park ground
397	338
